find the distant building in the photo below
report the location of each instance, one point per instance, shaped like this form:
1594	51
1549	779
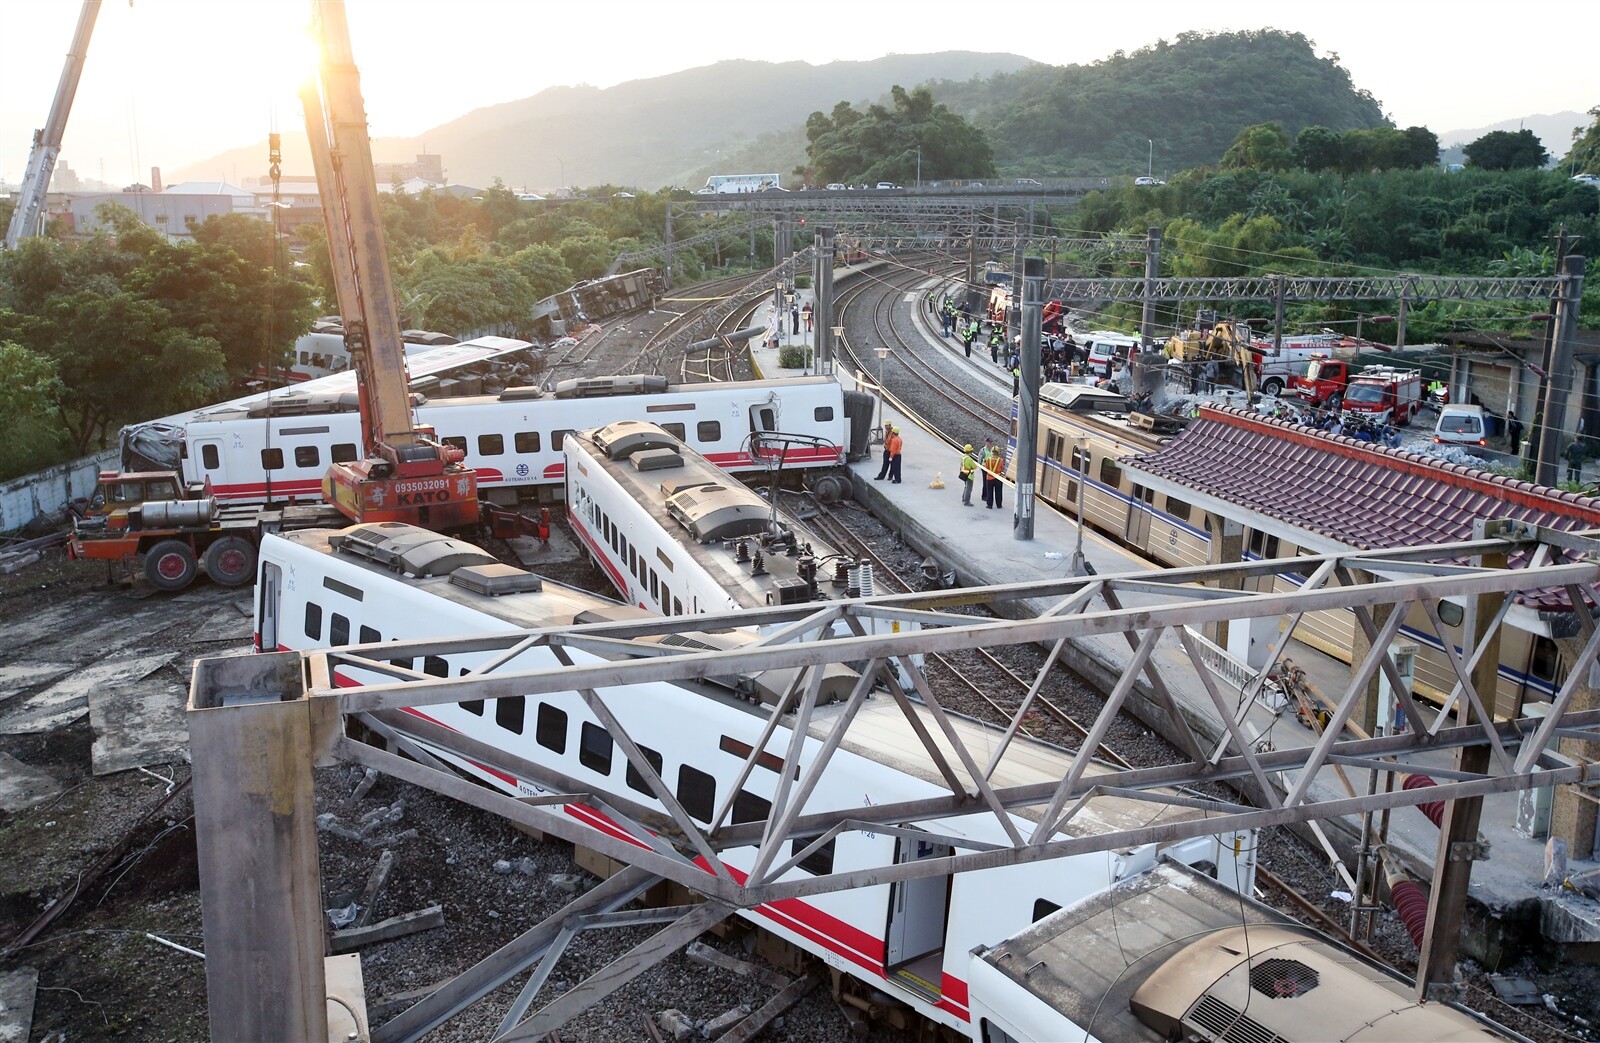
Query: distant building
171	213
426	167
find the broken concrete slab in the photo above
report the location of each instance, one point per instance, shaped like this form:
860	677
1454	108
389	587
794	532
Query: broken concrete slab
17	677
22	786
531	553
68	699
17	991
138	725
225	624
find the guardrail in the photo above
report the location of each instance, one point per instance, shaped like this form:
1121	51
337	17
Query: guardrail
1236	673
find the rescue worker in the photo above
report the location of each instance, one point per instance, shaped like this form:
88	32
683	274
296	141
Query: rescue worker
1574	455
1513	432
997	340
969	465
968	336
994	462
892	446
883	471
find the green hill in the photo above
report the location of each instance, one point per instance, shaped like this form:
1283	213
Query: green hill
1188	98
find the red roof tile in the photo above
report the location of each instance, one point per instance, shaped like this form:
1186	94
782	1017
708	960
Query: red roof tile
1360	495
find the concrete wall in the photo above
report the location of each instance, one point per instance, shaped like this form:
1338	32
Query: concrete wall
51	489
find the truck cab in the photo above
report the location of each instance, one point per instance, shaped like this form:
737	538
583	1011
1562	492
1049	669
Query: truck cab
1321	380
116	493
1384	395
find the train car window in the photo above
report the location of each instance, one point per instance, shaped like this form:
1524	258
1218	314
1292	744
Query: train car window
677	607
655	587
1543	659
675	430
1043	907
474	707
402	663
708	431
1110	473
271	459
994	1034
525	441
747	807
209	458
306	456
594	748
661	556
313	621
633	560
491	445
1262	545
766	418
559	437
343	453
635	780
369	635
1080	459
510	712
338	629
436	666
819	862
1147	494
1179	509
740	749
1072	492
822	414
459	441
305	358
551	729
1052	446
697	792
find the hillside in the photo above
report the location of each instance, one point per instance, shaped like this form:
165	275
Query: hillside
1188	98
666	130
1553	129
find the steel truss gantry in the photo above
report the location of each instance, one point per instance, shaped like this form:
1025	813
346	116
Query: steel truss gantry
1416	289
1145	609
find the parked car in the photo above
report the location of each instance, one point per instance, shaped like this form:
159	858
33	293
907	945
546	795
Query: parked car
1147	181
1026	182
1460	425
622	195
1592	180
836	187
975	184
887	184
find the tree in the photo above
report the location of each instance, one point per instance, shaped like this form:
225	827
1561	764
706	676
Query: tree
1505	150
884	144
1584	156
1263	146
30	395
120	359
1422	148
1317	148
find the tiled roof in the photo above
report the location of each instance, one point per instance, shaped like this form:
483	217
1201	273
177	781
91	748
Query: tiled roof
1354	493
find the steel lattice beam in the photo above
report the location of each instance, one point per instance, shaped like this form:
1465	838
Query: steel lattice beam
1037	820
1416	289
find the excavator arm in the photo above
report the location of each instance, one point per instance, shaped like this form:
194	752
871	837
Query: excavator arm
404	477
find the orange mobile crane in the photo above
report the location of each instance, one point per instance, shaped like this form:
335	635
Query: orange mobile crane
406	476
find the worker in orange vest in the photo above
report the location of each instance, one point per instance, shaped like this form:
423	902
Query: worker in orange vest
994	462
892	446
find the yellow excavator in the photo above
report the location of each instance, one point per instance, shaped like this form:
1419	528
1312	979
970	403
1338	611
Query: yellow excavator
1223	355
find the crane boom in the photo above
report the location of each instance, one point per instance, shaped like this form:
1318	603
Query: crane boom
47	142
405	477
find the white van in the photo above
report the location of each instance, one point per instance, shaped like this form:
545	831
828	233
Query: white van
1460	425
1107	348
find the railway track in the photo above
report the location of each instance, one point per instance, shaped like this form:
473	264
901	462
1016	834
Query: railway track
840	535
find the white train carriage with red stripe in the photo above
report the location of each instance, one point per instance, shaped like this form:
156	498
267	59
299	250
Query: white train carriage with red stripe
912	940
514	439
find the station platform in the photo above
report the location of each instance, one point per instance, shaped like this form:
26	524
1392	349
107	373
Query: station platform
981	546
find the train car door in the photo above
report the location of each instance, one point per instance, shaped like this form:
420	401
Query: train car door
1050	468
919	912
206	462
764	421
267	610
1138	530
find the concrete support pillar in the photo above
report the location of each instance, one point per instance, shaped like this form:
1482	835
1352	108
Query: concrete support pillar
252	738
1227	548
1366	715
1574	808
822	299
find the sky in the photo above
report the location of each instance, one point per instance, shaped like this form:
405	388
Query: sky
172	82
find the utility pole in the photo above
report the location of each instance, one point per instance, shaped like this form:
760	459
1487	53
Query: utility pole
1014	313
1028	396
822	303
667	282
1559	379
1541	400
1152	272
